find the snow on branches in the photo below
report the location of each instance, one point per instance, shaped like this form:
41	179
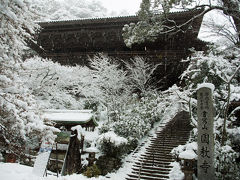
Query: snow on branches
19	119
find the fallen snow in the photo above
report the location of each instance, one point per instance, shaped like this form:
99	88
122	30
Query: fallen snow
113	138
176	173
91	136
15	171
92	149
80	131
68	115
188	151
188	154
206	85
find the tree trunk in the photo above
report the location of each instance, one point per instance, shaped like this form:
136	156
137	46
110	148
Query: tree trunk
232	9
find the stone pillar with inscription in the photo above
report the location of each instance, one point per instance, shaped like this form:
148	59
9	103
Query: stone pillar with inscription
205	113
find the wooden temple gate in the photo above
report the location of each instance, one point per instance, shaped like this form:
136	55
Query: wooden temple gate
72	42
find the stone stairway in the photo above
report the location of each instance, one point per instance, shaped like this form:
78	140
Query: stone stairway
155	162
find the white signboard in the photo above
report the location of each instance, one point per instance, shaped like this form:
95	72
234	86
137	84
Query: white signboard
42	159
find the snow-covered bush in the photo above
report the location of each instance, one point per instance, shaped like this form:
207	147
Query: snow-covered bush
111	144
226	165
92	171
138	116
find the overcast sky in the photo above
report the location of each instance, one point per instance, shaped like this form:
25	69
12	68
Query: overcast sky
132	6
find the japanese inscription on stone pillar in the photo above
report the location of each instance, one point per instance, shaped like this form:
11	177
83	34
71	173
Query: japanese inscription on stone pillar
205	165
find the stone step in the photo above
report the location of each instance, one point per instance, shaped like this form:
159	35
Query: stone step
151	175
156	149
156	156
173	134
148	164
152	170
143	166
165	146
136	177
168	141
156	159
160	154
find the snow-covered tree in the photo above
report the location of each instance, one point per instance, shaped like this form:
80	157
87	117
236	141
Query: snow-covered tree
154	18
140	75
53	85
50	10
108	85
222	70
19	118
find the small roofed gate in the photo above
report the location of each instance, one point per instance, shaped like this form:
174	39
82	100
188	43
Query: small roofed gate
71	42
68	148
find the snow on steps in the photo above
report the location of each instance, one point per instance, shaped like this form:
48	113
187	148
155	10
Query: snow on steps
154	163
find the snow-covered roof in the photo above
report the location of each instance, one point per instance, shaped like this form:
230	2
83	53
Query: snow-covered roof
69	116
92	149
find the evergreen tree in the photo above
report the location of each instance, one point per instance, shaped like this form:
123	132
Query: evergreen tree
154	17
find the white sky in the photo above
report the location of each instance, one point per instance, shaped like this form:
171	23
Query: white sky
132	6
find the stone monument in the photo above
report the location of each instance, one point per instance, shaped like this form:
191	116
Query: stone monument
205	113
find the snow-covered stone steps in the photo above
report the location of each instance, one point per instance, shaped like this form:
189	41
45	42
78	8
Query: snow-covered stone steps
166	167
152	171
156	157
164	147
154	163
146	177
148	164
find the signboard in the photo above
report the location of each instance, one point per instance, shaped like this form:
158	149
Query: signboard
41	161
205	164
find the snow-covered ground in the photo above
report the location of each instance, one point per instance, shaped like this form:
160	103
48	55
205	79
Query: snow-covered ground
15	171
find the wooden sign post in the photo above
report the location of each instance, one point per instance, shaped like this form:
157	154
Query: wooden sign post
205	165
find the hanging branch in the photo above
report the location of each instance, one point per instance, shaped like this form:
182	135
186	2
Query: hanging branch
224	132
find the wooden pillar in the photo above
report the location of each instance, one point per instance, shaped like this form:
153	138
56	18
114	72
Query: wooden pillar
73	164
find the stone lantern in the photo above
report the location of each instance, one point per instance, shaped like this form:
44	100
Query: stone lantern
188	163
92	155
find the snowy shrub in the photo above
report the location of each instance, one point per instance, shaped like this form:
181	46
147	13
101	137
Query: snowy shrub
111	144
225	162
92	171
138	116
